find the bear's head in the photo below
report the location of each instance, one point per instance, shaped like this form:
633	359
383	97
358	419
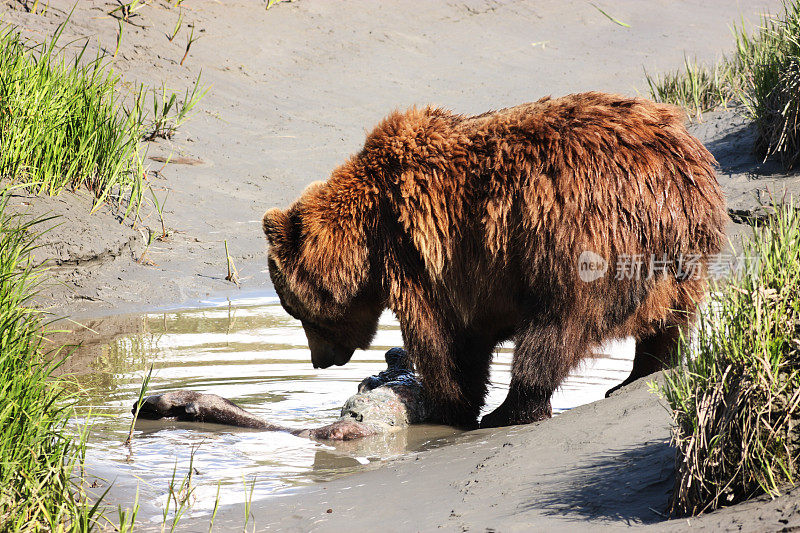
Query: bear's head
319	263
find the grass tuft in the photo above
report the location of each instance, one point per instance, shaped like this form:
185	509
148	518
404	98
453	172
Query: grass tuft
736	400
169	112
37	456
763	75
62	124
698	88
770	84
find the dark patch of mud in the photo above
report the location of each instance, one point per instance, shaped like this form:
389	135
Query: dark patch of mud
69	237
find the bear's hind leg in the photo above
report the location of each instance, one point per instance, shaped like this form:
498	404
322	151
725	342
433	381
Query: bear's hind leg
654	352
543	357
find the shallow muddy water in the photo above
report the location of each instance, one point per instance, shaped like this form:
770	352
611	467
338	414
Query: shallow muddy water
253	353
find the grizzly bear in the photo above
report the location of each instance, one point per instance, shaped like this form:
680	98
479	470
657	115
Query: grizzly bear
471	230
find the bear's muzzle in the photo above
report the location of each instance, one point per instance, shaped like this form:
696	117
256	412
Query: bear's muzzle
325	354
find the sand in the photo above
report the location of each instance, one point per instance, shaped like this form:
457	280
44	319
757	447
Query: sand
292	92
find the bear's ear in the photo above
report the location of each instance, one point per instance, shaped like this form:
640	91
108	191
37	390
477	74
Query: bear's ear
276	226
312	188
320	242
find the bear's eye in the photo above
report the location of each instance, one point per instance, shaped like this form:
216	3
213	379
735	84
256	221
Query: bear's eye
316	328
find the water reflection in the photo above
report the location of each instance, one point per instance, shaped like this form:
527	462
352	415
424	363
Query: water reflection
252	352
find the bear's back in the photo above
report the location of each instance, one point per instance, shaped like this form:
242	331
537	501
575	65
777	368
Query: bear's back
514	197
616	174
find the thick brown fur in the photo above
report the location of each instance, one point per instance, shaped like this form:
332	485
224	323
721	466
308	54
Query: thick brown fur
470	230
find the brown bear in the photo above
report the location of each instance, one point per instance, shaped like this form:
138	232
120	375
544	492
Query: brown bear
473	229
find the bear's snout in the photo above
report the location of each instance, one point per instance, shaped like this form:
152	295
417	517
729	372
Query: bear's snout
325	354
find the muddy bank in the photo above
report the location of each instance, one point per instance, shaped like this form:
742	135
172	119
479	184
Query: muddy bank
293	90
747	181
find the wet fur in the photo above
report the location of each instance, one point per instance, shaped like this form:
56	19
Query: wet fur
469	229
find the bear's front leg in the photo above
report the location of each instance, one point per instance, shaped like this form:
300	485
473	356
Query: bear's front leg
543	356
523	405
454	369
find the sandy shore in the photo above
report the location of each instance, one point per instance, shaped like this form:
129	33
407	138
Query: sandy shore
292	91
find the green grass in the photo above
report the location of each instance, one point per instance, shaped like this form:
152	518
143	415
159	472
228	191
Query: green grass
169	112
770	83
62	123
697	88
763	74
38	459
69	124
736	400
